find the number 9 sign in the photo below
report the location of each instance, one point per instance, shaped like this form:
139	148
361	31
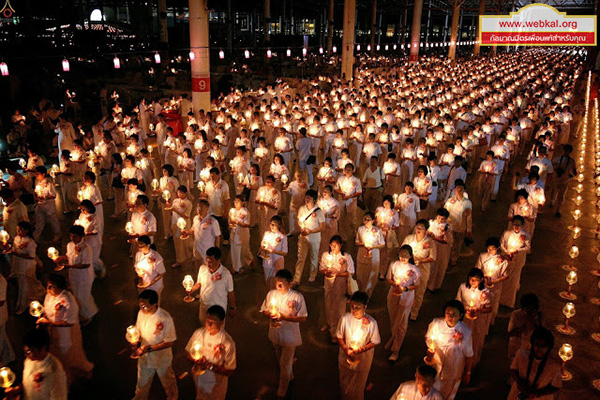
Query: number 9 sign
200	84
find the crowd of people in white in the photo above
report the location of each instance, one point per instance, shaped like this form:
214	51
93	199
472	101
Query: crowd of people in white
378	165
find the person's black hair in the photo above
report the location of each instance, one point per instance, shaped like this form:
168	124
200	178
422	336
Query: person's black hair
37	339
58	280
182	189
90	175
26	226
217	312
215	170
338	239
40	169
456	304
132	181
519	218
312	193
144	239
7	193
214	252
89	205
407	248
284	274
530	300
521	192
476	272
169	168
360	297
539	334
427	372
423	222
149	295
143	199
492	241
77	230
442	212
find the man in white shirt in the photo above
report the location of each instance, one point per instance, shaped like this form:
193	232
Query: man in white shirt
215	284
286	308
157	335
44	377
14	212
421	388
217	194
311	222
304	145
143	223
373	182
348	188
206	231
217	358
460	209
45	210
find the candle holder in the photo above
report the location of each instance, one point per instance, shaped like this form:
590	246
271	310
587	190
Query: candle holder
430	342
565	353
576	233
166	195
571	280
569	312
577	214
196	355
181	224
7	377
188	284
133	335
573	253
36	309
154	185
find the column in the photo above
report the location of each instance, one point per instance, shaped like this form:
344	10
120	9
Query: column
415	35
348	39
199	44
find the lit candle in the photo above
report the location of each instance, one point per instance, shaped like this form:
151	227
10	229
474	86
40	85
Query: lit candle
4	236
284	179
36	309
52	253
129	227
188	284
132	334
196	351
7	377
166	195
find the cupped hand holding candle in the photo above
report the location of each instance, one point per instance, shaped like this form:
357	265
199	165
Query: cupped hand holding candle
36	309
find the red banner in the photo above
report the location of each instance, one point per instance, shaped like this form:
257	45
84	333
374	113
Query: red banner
537	38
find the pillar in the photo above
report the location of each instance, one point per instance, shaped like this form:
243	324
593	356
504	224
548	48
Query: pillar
402	37
415	34
330	26
267	16
348	38
454	30
162	22
199	44
373	25
476	46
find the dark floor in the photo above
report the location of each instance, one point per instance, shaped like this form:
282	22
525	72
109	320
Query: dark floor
316	368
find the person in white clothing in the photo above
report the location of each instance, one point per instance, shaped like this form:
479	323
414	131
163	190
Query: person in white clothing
44	377
212	351
310	222
149	266
23	253
154	354
7	355
206	231
61	316
404	277
337	265
215	284
421	388
357	334
286	308
239	226
460	220
79	262
273	249
88	219
450	349
536	375
45	210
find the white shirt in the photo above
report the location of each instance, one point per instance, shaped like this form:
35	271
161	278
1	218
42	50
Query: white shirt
80	253
372	178
290	304
214	287
357	333
349	187
452	346
409	207
336	263
58	309
143	222
44	380
217	193
148	267
460	214
155	329
311	219
206	230
410	391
